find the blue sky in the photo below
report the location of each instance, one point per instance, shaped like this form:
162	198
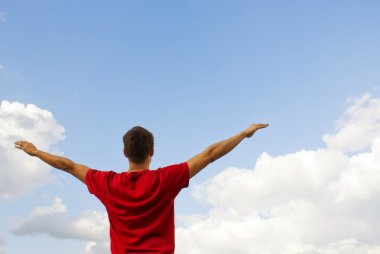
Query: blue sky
193	72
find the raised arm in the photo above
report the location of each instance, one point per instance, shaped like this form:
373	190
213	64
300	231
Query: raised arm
62	163
219	149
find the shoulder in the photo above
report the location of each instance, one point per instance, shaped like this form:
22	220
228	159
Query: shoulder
179	166
176	173
99	180
98	174
97	171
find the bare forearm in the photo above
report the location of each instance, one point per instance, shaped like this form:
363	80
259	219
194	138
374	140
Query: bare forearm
221	148
218	150
58	162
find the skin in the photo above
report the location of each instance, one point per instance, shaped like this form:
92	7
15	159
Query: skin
196	163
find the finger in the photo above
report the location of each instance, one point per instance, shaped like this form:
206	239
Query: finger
19	144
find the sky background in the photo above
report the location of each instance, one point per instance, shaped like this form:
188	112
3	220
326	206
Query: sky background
194	72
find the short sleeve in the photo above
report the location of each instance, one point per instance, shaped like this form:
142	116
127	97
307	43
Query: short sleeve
176	177
98	183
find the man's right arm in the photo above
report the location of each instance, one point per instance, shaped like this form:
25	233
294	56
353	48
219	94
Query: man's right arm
219	149
62	163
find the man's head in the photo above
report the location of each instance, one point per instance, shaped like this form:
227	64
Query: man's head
138	144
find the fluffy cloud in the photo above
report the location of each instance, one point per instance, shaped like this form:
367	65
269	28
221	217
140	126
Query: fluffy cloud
19	172
97	248
53	220
324	201
359	125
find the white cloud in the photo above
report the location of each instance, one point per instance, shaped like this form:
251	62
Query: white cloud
1	66
189	219
323	201
19	172
97	248
53	220
3	17
359	125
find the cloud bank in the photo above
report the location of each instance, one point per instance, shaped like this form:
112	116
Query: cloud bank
53	220
358	127
97	248
323	201
20	173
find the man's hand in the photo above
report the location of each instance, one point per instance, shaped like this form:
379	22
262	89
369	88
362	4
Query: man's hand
253	128
27	147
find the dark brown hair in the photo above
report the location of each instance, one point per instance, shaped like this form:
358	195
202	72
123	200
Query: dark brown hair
138	143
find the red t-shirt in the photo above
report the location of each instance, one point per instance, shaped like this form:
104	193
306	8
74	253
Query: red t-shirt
140	206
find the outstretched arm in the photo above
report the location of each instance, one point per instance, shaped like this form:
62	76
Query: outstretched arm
62	163
218	150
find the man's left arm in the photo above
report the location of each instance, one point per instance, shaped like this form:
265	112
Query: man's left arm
62	163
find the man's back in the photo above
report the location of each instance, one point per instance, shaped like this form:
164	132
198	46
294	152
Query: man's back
140	206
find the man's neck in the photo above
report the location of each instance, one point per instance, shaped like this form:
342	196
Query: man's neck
138	166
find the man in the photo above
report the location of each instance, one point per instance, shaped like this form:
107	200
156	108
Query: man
140	202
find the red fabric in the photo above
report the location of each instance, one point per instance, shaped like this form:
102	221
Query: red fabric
140	206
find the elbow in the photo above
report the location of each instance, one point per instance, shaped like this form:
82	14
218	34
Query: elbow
68	167
210	155
211	159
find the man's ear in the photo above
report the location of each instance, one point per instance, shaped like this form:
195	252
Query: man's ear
125	152
151	152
